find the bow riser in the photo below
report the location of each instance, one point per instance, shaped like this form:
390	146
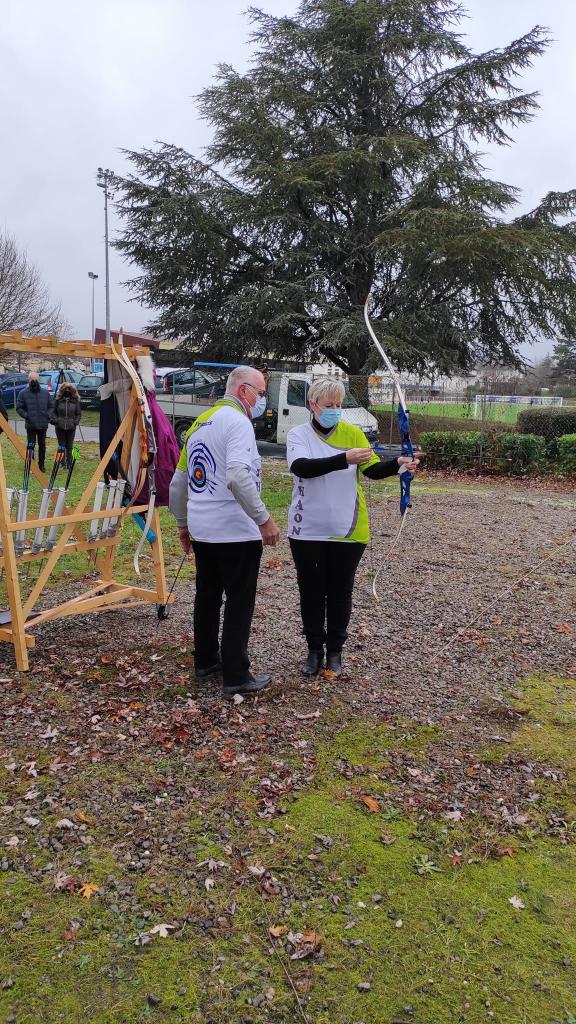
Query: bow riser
403	418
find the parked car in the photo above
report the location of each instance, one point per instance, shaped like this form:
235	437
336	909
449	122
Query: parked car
160	373
88	390
11	384
186	382
51	379
286	407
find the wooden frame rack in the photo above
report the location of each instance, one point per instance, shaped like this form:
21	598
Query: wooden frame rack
107	593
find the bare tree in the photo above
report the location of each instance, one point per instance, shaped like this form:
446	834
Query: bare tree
25	303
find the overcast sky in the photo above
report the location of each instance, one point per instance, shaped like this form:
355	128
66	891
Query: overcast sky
81	81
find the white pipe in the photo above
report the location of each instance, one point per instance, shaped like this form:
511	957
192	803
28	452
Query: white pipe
9	500
95	523
53	532
21	516
39	535
111	495
120	488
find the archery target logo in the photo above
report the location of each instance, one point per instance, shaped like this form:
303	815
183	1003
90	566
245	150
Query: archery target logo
201	469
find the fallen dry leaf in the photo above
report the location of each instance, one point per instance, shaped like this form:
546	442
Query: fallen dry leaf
372	804
88	889
163	930
276	930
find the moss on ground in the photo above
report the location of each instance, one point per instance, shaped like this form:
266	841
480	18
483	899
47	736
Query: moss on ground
400	940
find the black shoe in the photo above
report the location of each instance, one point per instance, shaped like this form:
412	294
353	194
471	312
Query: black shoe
334	662
313	663
252	685
42	469
212	670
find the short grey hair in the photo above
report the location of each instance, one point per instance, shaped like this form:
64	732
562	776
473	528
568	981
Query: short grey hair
326	387
239	375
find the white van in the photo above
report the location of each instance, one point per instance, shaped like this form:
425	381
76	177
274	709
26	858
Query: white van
286	408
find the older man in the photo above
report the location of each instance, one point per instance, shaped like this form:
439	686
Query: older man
215	498
35	405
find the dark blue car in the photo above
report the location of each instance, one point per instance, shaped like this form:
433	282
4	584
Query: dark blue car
11	384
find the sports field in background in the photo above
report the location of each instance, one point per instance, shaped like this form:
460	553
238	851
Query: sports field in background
504	412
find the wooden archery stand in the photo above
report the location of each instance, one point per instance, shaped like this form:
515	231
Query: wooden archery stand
107	594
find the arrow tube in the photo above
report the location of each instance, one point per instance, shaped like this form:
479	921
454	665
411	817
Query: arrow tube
10	499
109	504
120	488
53	532
95	523
44	504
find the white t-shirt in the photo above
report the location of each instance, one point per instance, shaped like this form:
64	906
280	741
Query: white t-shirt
219	438
332	506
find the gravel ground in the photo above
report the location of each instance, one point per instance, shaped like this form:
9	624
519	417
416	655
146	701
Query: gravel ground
479	596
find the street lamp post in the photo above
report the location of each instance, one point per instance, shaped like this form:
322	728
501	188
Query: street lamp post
93	277
103	181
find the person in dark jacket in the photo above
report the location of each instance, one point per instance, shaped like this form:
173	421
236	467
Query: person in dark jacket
35	405
66	416
3	411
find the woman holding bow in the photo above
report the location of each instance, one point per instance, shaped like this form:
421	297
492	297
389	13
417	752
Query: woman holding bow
328	525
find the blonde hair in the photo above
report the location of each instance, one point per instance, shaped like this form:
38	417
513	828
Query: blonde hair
326	387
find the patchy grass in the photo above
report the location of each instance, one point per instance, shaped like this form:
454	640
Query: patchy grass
277	490
407	919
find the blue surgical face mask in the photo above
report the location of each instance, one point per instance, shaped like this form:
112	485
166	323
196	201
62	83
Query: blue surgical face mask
329	417
259	408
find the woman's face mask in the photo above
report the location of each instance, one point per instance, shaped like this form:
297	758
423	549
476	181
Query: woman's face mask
327	416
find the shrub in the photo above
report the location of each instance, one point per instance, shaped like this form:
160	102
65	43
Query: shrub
521	452
548	423
503	452
566	460
445	447
421	422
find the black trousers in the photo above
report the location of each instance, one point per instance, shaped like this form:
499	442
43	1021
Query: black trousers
66	437
326	571
230	569
34	435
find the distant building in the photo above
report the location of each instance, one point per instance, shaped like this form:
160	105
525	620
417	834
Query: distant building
130	338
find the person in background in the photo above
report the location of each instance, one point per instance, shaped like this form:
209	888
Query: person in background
215	498
35	405
66	415
3	411
328	525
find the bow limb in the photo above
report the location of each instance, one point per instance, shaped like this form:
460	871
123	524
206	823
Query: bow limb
405	441
387	363
148	448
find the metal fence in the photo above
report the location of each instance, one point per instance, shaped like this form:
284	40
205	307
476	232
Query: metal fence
479	428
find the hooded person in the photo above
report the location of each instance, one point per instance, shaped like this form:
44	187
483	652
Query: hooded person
35	405
66	416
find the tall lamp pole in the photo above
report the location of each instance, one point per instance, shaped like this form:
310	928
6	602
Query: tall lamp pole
103	181
93	277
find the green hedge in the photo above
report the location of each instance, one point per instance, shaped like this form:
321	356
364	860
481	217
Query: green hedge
503	452
423	422
566	459
548	423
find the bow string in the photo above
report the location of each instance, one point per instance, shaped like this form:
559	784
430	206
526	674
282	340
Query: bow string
406	444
